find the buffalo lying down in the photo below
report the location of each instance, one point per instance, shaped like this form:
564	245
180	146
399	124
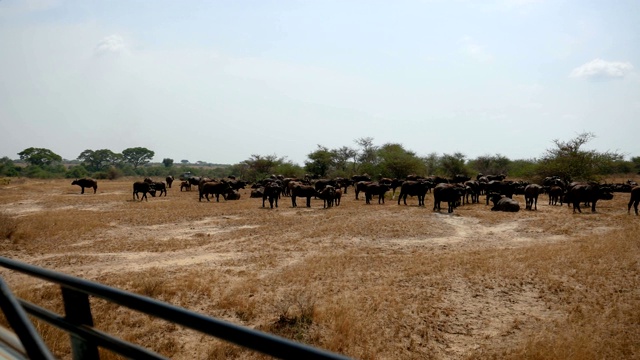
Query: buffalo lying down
503	203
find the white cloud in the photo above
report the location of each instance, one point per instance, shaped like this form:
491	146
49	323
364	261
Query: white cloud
110	44
599	69
474	50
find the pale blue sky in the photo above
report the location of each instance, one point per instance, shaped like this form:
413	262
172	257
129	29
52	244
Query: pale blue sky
219	81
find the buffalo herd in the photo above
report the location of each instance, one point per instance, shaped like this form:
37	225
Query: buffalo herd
455	191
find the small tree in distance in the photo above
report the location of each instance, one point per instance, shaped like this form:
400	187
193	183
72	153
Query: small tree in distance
167	162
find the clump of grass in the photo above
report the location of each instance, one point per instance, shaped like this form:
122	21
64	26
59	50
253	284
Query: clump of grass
8	227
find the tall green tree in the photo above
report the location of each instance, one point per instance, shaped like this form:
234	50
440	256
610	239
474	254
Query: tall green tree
491	164
137	156
99	160
570	160
39	156
431	163
397	162
257	167
453	164
320	161
343	157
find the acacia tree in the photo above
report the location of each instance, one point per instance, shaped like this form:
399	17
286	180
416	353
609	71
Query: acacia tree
453	164
137	156
342	156
321	161
257	167
397	162
569	161
99	159
39	156
368	155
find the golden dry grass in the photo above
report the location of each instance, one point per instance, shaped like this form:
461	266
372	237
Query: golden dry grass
368	281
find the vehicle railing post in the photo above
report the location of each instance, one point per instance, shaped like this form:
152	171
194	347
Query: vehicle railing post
19	322
77	311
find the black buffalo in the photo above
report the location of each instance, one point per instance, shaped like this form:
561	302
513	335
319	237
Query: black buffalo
531	193
506	188
300	190
185	185
271	192
86	183
503	203
327	195
413	188
214	188
372	189
450	193
169	181
588	193
144	188
360	187
157	185
556	193
322	183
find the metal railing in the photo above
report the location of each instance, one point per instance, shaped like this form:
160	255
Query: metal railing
85	339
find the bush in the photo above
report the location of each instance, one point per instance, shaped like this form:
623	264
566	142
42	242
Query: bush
76	172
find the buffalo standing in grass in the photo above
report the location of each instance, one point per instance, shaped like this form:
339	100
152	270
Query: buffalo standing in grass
327	195
272	192
588	193
413	188
169	181
214	188
86	183
634	200
372	189
531	193
300	190
450	193
144	188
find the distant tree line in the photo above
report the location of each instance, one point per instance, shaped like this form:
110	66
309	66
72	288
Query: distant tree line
567	159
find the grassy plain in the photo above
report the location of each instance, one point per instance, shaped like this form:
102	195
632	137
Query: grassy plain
368	281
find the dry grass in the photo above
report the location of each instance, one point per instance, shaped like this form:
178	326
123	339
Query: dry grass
369	281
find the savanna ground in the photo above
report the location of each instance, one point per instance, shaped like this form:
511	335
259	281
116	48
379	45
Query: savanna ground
367	281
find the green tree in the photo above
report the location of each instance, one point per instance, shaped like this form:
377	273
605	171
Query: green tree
137	156
258	167
167	162
368	154
320	161
453	164
397	162
636	163
431	163
569	160
99	160
39	156
8	168
343	157
487	164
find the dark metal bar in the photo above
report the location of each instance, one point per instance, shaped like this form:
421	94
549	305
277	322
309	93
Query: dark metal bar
102	339
78	312
17	318
252	339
